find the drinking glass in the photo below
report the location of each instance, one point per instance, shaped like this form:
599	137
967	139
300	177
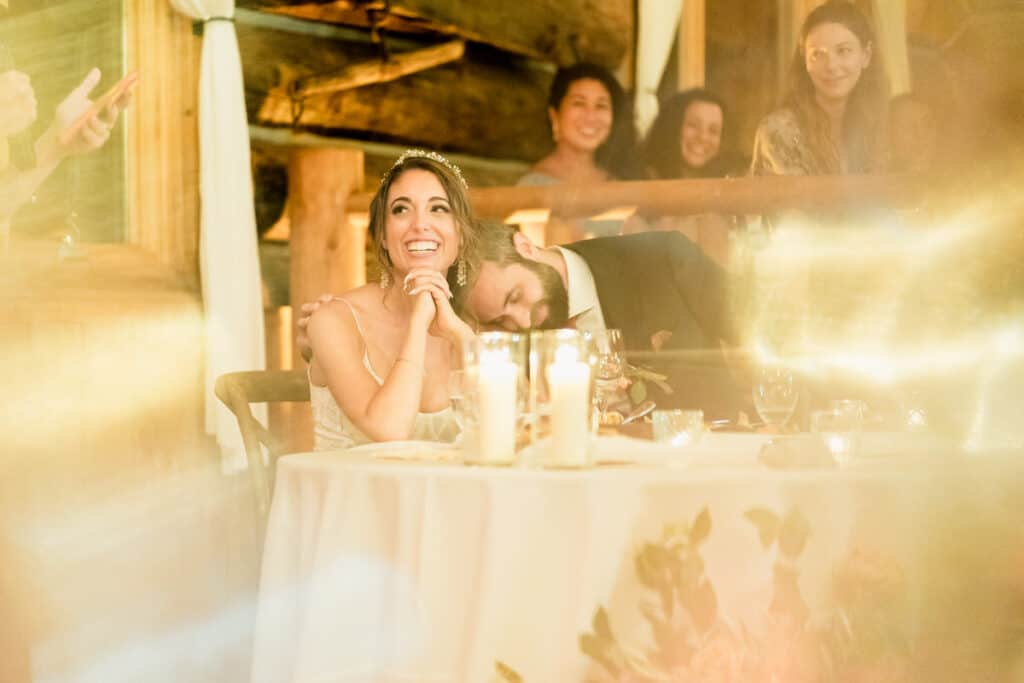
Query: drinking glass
775	395
678	427
609	363
457	396
839	430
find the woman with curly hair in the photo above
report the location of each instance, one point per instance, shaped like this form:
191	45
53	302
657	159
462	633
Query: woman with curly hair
688	139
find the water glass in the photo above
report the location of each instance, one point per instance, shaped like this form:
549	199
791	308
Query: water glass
913	412
840	432
609	362
678	427
857	410
775	395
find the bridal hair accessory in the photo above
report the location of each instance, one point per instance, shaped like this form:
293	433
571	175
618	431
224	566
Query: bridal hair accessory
460	272
433	156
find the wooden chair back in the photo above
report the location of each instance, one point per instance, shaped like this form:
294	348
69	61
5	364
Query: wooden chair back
237	390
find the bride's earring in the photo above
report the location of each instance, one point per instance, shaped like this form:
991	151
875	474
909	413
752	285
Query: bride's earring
460	272
385	279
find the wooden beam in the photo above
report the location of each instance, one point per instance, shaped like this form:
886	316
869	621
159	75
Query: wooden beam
691	46
379	71
682	197
483	105
319	29
470	164
560	31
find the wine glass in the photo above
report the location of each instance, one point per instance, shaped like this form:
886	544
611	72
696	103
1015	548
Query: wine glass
457	396
775	395
609	369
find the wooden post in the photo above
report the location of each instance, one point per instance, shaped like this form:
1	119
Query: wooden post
791	17
163	135
328	253
891	29
692	24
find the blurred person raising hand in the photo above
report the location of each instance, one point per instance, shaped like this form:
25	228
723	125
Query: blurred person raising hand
17	186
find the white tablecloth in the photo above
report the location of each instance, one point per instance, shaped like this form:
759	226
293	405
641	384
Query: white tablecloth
378	570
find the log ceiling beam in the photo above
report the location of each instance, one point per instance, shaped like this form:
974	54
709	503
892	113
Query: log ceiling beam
378	71
319	29
484	104
559	31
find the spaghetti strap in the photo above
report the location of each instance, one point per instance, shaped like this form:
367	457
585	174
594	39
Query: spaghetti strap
362	337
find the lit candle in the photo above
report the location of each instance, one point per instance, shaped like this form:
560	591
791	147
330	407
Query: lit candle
497	408
569	387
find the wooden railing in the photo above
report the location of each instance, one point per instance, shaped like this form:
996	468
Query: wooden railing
681	197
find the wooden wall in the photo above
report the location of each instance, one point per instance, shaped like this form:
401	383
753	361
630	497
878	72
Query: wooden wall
742	65
163	135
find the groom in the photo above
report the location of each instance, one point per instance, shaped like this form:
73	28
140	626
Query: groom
659	288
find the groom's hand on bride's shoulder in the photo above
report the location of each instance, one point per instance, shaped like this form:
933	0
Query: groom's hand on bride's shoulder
301	339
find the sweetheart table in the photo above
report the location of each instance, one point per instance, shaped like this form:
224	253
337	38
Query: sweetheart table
403	566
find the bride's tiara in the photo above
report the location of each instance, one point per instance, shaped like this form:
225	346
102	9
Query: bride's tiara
433	156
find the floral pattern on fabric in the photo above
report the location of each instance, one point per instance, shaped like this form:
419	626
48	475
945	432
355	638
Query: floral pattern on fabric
863	637
780	147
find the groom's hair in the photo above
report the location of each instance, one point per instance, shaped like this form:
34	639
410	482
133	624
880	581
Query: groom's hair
493	242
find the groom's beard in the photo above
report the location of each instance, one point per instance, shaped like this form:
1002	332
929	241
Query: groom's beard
556	298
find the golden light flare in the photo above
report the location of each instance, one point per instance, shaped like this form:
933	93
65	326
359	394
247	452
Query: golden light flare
884	298
98	378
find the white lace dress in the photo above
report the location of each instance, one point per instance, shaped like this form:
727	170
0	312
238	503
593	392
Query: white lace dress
333	430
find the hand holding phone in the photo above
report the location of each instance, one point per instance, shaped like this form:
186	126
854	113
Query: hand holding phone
104	102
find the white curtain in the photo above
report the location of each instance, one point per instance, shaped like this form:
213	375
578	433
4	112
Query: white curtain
658	22
229	262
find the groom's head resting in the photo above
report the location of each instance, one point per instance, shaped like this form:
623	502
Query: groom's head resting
512	288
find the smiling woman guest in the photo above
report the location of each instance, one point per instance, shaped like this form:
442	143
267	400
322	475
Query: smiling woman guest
688	138
833	117
593	134
382	352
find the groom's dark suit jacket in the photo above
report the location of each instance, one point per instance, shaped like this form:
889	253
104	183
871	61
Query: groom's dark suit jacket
659	281
662	282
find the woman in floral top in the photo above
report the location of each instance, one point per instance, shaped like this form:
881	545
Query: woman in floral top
832	119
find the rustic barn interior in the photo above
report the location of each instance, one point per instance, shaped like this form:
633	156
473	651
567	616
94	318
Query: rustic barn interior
128	550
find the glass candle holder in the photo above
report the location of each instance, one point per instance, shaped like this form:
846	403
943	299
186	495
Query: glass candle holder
493	393
561	397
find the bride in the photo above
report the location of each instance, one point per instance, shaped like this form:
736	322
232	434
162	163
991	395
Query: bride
382	352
